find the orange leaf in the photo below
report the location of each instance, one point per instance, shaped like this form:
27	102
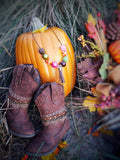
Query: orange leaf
95	92
96	134
25	157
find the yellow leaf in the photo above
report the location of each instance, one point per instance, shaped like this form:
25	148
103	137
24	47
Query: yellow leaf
41	29
100	111
90	103
62	144
106	131
49	157
91	19
118	6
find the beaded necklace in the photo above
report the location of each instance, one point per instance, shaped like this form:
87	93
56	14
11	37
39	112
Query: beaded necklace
49	61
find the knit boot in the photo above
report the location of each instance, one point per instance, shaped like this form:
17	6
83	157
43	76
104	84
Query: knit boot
24	83
50	102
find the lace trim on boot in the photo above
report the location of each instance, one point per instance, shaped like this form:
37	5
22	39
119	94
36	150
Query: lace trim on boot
53	116
16	105
16	98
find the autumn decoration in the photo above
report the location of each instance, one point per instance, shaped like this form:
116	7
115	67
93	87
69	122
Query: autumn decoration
50	51
99	64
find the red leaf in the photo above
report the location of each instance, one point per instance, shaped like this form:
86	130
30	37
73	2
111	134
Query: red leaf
102	24
93	33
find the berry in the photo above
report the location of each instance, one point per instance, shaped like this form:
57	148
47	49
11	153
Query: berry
98	14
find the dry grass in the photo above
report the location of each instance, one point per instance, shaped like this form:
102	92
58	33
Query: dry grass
70	15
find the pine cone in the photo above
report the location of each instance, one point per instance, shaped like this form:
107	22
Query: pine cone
112	32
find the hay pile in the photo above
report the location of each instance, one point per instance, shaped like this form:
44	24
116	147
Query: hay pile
69	15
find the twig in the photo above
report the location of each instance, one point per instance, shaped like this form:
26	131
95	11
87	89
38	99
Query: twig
5	69
4	88
6	50
83	90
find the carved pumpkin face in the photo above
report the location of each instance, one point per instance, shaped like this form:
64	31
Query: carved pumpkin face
27	52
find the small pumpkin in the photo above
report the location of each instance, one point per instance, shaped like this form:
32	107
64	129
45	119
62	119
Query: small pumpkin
114	50
28	52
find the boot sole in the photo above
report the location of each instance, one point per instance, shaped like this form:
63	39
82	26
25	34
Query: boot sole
22	135
42	154
37	154
45	153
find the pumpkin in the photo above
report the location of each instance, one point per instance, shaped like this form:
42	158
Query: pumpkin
27	52
114	50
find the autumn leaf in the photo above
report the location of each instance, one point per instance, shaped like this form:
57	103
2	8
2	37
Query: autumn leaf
91	29
25	157
90	103
95	92
106	131
104	65
102	25
89	69
96	33
49	157
91	19
40	30
62	145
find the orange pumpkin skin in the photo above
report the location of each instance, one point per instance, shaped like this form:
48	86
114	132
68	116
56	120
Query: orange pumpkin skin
27	52
114	50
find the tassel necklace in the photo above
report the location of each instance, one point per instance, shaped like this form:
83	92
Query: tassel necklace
49	61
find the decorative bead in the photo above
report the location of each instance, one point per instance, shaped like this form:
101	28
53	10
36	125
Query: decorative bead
41	51
63	47
45	56
65	59
48	61
64	54
63	63
54	64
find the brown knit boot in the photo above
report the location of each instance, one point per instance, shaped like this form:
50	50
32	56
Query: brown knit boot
50	102
24	83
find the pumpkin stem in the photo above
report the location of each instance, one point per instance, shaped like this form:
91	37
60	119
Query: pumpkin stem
37	24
